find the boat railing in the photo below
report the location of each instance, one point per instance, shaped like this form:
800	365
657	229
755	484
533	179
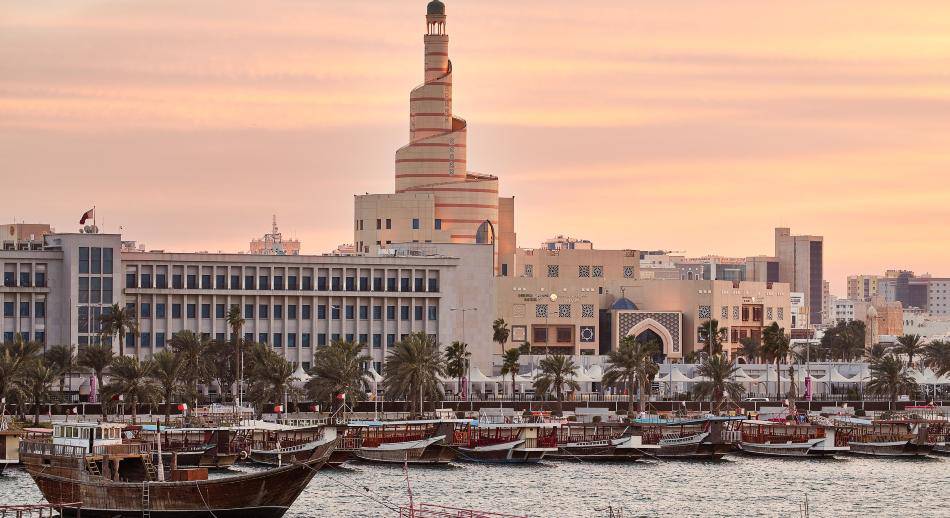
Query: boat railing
439	511
132	448
49	449
351	443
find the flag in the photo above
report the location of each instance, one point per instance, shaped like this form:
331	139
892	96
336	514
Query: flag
91	213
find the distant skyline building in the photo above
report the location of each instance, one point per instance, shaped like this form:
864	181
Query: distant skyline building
559	242
801	265
274	243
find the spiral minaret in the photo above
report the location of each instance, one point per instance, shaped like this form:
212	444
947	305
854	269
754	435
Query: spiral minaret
434	161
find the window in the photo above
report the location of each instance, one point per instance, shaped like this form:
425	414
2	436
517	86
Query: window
350	311
529	270
438	224
745	314
176	281
334	312
84	259
192	311
84	290
39	310
292	283
391	312
176	310
291	339
40	279
25	278
419	284
131	281
278	311
596	271
321	312
160	310
129	341
334	337
292	311
219	311
433	312
583	271
565	334
145	310
564	310
404	312
308	283
248	282
146	339
724	313
321	284
553	270
249	311
351	284
363	339
415	223
418	313
389	224
263	282
262	338
95	259
377	312
220	282
377	341
263	310
349	337
206	282
541	311
278	282
364	283
781	313
391	284
305	340
24	309
540	334
404	284
107	261
235	282
305	312
206	311
159	339
321	339
192	282
336	284
364	312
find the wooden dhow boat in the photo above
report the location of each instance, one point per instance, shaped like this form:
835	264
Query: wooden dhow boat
888	438
90	463
688	439
279	447
599	442
786	440
212	448
397	442
505	443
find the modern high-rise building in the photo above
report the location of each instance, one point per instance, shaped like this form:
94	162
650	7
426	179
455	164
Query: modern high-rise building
437	199
863	287
801	265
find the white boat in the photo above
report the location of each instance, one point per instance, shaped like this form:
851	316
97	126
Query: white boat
790	440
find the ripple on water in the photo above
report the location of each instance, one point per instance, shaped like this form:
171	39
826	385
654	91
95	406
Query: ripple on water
738	486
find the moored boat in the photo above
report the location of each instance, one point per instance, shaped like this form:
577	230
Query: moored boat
90	463
786	440
688	439
212	448
284	447
505	443
598	442
397	442
888	438
939	435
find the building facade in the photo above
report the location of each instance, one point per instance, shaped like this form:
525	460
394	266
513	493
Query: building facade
801	266
293	303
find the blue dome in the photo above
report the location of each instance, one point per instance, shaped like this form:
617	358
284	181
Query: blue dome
435	7
623	303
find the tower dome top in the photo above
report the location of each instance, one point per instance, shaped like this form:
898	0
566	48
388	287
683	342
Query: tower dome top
435	7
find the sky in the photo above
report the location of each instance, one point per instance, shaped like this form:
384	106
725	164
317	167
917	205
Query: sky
687	125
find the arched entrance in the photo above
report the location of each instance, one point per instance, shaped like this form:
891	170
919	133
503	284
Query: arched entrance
648	336
650	329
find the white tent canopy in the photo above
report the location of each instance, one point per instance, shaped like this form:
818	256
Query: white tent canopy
595	373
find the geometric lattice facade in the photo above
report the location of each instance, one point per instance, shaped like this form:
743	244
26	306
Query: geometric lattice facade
667	324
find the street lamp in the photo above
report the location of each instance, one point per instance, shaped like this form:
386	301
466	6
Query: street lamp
468	363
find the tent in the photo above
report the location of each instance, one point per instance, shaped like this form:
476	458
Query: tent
299	377
595	373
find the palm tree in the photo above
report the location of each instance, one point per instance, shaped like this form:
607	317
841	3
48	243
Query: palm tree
133	379
876	352
457	359
691	357
557	371
192	349
271	379
510	365
218	361
500	332
717	372
845	341
632	365
236	323
936	356
712	336
910	345
750	348
62	359
889	377
167	372
339	369
413	368
15	357
777	347
97	358
118	321
35	383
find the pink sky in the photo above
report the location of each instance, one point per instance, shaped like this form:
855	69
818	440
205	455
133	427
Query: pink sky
695	126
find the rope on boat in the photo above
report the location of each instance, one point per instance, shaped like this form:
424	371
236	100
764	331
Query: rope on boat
208	507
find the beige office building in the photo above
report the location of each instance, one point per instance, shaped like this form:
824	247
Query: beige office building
801	266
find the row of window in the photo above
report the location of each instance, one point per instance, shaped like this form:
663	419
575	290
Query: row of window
563	311
277	282
39	309
747	312
274	339
95	290
415	224
95	260
266	311
27	279
39	336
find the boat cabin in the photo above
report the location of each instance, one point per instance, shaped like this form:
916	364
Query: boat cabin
87	436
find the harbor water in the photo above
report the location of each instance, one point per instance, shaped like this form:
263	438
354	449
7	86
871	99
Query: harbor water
737	486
